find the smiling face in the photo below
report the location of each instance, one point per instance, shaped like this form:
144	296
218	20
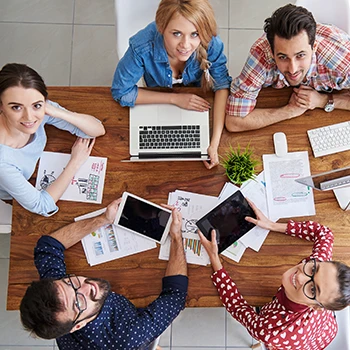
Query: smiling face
181	39
22	109
93	290
293	57
326	284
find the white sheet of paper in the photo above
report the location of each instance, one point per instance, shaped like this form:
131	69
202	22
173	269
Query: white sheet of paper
235	251
110	242
86	185
285	197
192	206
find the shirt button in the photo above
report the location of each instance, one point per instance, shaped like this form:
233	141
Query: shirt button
169	75
168	85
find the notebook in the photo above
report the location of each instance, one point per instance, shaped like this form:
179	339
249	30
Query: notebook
167	133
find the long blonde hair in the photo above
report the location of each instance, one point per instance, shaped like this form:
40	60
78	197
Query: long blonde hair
201	15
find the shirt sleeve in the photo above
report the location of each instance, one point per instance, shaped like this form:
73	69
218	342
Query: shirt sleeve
153	320
239	308
218	69
15	184
246	87
49	258
129	71
64	125
320	235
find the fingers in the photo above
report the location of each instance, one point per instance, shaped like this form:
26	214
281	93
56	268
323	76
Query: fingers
252	220
199	104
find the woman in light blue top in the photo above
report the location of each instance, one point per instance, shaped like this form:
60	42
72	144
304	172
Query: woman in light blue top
24	111
181	46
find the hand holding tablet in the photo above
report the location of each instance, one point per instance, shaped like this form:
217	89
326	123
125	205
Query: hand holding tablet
142	217
228	220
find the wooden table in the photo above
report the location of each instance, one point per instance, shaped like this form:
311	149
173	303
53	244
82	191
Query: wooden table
138	277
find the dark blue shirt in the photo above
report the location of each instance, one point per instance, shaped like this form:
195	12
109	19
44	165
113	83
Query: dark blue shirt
119	325
147	57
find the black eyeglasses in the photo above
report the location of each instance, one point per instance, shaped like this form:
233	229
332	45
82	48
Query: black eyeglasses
309	287
80	301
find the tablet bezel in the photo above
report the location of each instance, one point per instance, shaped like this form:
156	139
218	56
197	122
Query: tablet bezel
207	232
120	211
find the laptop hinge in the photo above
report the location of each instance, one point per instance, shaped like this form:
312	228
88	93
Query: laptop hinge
170	155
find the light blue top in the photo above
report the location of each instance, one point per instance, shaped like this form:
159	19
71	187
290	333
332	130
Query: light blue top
18	164
147	57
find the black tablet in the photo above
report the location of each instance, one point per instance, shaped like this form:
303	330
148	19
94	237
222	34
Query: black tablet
145	218
228	219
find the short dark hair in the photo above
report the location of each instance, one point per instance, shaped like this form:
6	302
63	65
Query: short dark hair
343	277
287	22
39	308
16	74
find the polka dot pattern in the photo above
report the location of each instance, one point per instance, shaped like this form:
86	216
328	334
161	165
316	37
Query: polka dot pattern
278	325
119	325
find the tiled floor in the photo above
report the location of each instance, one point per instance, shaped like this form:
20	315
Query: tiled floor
72	42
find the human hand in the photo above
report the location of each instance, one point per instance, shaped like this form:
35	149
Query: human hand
50	109
81	151
191	102
176	224
293	105
112	210
309	98
212	249
261	220
214	157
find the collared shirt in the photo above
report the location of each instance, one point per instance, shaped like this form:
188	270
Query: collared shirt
147	57
119	324
329	69
283	324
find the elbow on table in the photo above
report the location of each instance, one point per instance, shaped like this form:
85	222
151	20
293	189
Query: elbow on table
234	123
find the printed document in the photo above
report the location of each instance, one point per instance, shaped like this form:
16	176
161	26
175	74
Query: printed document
86	185
110	242
285	197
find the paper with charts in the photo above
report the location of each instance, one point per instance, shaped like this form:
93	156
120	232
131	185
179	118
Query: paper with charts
110	242
86	185
285	197
192	206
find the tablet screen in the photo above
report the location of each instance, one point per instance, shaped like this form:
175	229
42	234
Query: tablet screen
144	218
228	219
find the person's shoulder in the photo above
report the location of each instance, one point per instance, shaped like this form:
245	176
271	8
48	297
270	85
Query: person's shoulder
333	48
144	38
262	47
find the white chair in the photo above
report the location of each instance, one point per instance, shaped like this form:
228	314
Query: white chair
335	12
5	217
130	17
342	339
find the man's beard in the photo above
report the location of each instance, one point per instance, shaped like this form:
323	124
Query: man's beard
104	287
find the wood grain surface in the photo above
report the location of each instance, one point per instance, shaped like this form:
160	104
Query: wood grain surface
139	277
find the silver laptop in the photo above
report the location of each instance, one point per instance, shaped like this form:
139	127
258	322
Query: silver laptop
329	180
166	132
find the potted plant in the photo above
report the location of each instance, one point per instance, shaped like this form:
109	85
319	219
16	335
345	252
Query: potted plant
239	165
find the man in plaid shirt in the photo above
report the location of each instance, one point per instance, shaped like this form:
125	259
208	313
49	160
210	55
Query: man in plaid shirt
294	51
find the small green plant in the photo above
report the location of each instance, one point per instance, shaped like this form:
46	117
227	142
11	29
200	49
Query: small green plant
239	165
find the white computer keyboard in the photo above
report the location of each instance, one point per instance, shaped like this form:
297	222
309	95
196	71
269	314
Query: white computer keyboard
330	139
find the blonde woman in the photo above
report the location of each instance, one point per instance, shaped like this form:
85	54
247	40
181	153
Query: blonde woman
24	111
180	47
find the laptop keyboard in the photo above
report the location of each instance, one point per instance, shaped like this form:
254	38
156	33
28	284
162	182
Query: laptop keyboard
169	137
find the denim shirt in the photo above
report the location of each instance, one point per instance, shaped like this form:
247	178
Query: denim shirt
147	57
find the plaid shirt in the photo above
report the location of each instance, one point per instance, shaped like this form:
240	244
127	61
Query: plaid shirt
329	69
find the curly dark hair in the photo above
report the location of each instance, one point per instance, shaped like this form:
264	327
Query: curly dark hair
39	308
288	21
